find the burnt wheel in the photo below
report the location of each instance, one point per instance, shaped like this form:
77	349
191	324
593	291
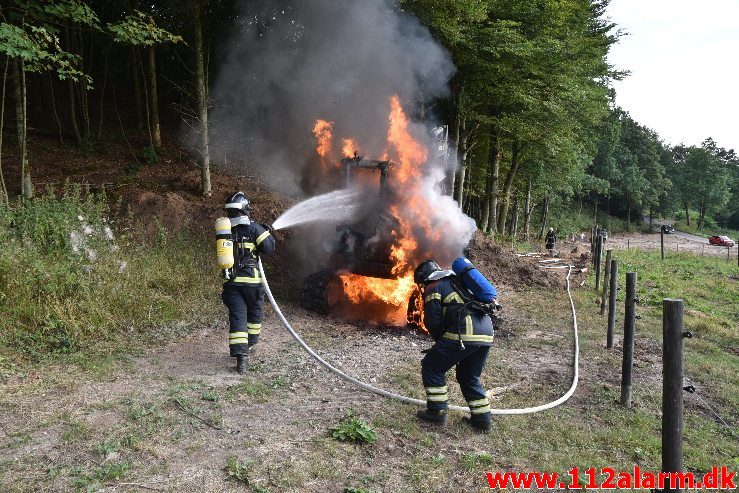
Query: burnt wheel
321	291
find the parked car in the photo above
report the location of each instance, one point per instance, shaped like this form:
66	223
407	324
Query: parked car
721	241
668	229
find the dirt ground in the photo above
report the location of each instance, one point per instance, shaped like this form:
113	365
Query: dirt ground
174	415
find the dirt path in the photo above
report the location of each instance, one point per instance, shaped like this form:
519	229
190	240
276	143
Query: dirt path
169	420
678	242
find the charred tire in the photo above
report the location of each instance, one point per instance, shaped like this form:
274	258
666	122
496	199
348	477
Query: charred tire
319	292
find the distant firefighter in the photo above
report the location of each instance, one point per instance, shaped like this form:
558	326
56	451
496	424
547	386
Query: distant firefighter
551	240
240	241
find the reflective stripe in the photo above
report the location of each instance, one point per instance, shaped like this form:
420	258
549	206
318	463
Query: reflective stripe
254	328
453	296
479	402
239	341
468	326
233	335
480	410
437	390
262	237
248	245
468	337
248	280
433	296
437	398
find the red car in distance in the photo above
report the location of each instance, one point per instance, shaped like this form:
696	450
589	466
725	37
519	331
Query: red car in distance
721	241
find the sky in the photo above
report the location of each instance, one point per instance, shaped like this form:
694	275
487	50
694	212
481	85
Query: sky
683	56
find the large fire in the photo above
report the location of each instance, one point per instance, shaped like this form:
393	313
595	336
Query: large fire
409	157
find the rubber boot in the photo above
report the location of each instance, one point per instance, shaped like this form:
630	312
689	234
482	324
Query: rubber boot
481	425
242	361
435	416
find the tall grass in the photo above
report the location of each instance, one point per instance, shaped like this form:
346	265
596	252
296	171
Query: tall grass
72	280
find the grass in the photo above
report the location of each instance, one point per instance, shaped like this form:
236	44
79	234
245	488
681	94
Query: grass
75	284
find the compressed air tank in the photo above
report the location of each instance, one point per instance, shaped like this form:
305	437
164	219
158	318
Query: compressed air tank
472	279
224	243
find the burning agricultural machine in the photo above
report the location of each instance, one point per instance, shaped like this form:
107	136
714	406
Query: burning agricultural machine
357	248
363	248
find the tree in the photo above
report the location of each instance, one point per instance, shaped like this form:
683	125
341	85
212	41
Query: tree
31	45
202	100
139	29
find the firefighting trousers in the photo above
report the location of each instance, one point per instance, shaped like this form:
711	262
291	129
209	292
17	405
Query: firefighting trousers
469	362
245	305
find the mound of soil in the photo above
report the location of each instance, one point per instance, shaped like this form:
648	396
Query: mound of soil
502	266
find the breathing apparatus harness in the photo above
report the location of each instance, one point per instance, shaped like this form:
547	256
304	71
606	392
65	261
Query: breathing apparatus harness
469	302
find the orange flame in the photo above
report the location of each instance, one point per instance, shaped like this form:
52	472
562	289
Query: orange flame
323	132
349	148
409	156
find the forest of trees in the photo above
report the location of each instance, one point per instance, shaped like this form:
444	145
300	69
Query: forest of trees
531	111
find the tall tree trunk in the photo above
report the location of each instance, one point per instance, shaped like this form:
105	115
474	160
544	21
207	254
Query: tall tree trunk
507	186
202	85
53	107
132	5
514	222
628	214
687	214
153	99
72	99
492	185
462	170
82	90
651	216
595	211
20	116
4	189
544	216
527	211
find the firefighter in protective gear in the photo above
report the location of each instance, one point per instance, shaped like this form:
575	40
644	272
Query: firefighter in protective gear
463	336
243	293
551	240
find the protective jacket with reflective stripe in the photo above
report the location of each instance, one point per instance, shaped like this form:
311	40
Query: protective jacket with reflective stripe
250	240
446	316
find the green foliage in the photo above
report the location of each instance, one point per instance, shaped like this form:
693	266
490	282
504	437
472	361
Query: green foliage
150	155
353	429
139	29
236	470
475	461
69	283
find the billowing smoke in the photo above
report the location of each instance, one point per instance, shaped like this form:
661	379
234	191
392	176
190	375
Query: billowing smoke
290	63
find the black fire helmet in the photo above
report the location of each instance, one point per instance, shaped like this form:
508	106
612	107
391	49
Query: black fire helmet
424	270
237	205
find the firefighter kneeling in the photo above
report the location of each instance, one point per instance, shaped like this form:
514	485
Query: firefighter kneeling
239	243
463	333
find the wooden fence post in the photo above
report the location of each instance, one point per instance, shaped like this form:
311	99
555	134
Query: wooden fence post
606	280
672	386
662	242
627	363
612	304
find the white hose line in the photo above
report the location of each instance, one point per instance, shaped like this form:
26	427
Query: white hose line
403	398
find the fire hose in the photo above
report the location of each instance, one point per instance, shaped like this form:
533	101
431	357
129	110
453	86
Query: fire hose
410	400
